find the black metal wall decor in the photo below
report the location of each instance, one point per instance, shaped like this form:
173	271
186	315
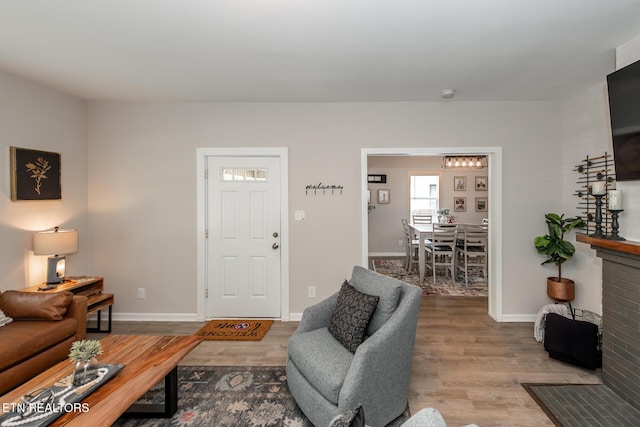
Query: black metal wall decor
592	170
35	174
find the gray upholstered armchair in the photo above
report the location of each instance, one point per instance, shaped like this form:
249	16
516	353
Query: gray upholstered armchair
326	379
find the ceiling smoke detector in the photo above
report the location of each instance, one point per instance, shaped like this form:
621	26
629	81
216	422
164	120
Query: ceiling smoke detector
448	93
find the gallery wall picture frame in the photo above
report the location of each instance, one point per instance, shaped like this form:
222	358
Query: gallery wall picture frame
481	183
35	174
481	204
384	197
459	204
459	183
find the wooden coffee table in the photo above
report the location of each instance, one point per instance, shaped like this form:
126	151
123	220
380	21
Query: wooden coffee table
147	359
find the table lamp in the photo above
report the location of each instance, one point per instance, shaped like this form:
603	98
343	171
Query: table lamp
56	243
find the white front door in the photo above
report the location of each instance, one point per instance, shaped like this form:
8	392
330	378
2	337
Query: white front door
243	244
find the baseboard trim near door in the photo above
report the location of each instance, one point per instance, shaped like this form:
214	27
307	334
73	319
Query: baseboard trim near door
383	254
155	317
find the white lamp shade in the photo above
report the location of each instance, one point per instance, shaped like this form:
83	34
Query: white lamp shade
59	242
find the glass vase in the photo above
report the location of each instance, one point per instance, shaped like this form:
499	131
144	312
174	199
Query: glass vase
85	371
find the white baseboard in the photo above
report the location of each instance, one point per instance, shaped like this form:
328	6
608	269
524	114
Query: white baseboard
175	317
519	318
155	317
396	254
293	317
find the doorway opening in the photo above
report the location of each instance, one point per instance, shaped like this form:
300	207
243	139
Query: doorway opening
492	203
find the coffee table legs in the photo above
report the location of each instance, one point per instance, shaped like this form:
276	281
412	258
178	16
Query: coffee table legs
165	410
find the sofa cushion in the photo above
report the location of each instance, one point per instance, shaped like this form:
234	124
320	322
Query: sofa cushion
32	305
21	339
351	315
387	288
322	360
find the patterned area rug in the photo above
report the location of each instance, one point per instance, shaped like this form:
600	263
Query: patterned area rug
444	285
230	396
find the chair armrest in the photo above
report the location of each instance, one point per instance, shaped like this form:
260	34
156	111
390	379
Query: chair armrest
317	316
383	361
78	310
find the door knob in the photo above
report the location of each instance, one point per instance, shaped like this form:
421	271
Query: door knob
275	246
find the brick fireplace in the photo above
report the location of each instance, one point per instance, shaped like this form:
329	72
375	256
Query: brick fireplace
620	316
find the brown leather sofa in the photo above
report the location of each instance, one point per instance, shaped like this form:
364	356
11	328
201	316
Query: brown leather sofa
43	328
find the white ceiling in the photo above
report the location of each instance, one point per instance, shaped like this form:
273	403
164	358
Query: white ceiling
315	50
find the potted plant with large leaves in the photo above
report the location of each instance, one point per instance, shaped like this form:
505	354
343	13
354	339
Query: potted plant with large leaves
558	251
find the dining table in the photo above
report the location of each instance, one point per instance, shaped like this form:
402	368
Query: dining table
423	232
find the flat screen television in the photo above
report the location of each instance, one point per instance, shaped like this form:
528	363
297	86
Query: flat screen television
624	109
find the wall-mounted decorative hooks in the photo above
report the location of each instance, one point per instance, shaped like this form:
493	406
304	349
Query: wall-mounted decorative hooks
316	188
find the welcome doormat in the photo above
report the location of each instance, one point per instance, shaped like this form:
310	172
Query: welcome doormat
231	396
235	330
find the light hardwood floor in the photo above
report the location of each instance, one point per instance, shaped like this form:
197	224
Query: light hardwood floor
466	365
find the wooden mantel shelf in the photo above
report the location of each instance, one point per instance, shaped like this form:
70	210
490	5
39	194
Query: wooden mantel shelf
624	246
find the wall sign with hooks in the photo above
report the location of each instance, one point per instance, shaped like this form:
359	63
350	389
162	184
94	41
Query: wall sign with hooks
325	189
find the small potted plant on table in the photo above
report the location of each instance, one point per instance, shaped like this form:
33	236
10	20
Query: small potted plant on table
558	251
84	354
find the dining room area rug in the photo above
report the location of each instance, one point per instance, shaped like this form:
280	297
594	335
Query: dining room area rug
235	329
231	396
444	285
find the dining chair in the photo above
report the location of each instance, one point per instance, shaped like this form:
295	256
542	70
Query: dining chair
472	254
422	219
439	226
411	246
440	252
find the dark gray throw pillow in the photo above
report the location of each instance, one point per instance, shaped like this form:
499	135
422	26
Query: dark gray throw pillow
351	316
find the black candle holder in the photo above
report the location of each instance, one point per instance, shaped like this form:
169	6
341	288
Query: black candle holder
598	218
615	225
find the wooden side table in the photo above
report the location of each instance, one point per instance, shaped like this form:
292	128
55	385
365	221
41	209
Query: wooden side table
92	288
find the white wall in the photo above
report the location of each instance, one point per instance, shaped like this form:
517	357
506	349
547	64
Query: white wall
586	122
136	212
32	116
587	131
140	231
143	198
385	230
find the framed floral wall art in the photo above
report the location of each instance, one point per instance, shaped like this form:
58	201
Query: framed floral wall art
35	174
384	197
459	183
459	204
481	183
